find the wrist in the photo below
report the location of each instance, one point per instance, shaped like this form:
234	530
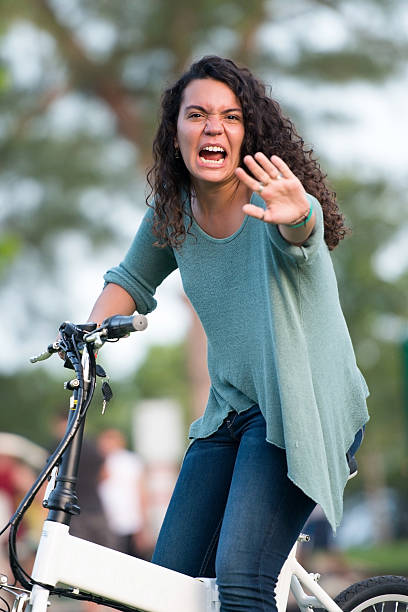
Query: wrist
301	221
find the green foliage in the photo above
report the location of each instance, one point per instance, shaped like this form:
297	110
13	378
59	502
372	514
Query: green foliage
10	245
28	401
164	374
31	399
4	79
370	304
118	412
344	66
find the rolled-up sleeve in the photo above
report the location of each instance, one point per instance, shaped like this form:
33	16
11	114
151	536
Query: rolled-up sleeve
301	254
144	267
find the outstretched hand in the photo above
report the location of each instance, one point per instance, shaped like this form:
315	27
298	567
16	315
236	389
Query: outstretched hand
283	193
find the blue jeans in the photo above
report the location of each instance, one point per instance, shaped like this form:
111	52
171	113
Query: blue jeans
358	440
234	513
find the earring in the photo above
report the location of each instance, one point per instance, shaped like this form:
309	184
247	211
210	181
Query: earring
177	153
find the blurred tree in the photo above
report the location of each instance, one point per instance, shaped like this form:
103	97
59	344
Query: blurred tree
9	242
164	374
27	402
375	309
30	399
10	245
93	79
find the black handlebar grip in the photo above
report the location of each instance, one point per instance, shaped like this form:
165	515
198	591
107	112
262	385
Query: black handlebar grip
118	326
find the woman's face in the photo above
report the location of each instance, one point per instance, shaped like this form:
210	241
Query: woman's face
210	130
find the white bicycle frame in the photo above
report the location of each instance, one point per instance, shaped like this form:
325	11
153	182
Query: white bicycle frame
63	558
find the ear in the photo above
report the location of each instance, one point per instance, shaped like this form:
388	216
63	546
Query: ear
175	142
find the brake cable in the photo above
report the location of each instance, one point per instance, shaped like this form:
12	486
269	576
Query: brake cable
73	354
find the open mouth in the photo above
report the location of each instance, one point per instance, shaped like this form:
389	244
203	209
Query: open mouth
212	155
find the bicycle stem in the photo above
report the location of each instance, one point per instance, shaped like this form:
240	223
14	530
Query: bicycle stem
62	502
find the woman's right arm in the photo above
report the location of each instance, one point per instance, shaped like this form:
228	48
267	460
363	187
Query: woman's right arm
132	284
113	300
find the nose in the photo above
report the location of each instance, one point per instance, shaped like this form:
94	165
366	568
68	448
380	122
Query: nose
213	125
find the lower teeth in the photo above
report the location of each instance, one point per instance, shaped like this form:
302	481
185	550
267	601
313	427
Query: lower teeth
212	161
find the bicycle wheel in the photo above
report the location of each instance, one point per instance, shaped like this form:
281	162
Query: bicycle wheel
377	594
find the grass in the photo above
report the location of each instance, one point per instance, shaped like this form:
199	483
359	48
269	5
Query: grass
390	558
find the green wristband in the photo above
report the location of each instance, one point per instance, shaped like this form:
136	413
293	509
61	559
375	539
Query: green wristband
305	220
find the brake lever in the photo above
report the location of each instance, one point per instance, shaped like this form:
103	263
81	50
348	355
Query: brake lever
68	332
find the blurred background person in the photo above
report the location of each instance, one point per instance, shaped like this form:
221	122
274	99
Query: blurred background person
123	494
20	461
318	528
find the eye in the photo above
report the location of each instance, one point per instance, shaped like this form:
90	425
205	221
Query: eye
195	115
233	118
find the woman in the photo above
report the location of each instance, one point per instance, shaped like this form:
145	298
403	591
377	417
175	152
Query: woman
243	210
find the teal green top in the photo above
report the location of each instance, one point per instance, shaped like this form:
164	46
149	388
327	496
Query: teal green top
276	337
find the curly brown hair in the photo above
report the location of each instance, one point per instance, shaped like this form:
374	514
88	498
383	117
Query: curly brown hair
266	130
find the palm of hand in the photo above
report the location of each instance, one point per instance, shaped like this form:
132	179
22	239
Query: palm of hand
281	190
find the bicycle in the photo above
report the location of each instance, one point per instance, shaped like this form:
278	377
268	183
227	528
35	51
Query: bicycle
92	572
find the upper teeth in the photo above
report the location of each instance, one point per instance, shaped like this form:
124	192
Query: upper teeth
219	149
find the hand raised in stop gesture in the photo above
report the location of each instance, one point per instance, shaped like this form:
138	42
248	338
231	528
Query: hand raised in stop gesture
283	193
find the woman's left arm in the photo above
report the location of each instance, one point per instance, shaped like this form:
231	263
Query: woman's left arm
285	198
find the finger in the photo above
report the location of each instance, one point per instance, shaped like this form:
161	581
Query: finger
253	211
282	167
257	170
248	180
271	170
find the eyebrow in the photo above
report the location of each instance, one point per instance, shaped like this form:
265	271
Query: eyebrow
201	108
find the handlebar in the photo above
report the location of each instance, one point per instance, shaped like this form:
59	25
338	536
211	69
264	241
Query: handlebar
118	326
78	343
112	328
